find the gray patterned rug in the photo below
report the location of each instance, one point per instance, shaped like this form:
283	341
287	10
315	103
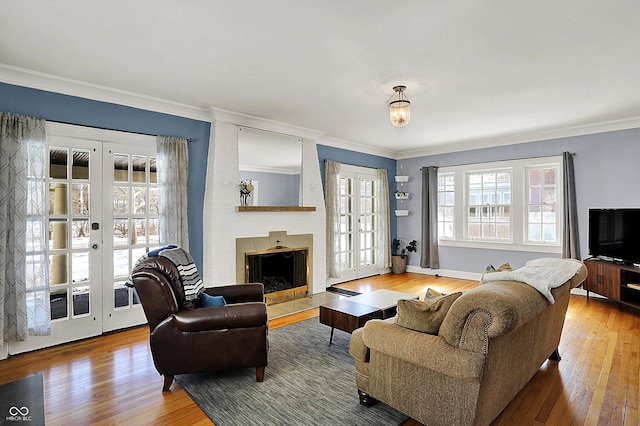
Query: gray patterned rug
307	382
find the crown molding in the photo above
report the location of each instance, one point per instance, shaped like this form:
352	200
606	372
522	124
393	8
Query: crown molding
512	139
50	83
358	147
226	116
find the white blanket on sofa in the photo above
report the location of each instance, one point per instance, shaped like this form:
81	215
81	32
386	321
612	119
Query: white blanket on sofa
542	274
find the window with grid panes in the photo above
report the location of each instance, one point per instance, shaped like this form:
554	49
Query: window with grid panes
542	218
446	205
489	205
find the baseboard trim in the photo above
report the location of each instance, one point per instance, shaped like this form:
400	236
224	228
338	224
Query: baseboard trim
463	275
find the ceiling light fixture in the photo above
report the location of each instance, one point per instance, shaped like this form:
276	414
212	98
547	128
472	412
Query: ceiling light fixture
399	107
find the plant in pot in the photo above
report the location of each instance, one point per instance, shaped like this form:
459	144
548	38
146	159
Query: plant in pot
400	254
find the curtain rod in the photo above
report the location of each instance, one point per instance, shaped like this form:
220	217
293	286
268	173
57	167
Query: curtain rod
106	128
496	161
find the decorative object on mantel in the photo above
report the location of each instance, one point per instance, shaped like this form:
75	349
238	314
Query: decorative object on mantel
246	186
399	255
399	107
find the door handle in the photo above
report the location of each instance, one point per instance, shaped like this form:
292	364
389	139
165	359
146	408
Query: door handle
95	246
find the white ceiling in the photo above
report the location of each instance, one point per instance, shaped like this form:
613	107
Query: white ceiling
479	73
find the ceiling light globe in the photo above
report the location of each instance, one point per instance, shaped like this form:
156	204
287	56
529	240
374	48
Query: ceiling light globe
400	113
399	107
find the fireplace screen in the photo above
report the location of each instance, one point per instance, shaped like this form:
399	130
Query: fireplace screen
278	269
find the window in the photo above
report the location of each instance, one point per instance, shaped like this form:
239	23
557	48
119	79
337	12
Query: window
542	215
489	205
508	202
446	205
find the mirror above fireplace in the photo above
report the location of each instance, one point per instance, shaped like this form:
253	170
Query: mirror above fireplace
272	163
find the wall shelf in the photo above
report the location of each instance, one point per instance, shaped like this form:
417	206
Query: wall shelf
401	195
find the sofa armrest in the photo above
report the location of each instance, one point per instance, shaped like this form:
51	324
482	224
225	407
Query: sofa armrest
425	350
238	293
491	310
357	348
243	315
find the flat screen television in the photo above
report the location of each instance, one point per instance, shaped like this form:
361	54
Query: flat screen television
614	234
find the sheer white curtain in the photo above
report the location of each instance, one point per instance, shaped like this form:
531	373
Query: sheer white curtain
332	204
24	271
173	165
384	230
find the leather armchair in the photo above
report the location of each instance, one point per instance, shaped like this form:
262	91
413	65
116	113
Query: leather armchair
202	339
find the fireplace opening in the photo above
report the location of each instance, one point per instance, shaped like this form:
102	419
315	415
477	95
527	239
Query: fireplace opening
279	268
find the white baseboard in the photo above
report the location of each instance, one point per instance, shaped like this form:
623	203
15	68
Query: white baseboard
579	291
473	276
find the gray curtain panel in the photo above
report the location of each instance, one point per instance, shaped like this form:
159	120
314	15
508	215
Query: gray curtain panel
173	166
570	237
24	271
429	252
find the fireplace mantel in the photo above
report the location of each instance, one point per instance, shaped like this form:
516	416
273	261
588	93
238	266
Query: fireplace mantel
274	209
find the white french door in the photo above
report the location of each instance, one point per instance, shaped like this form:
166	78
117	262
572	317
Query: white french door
359	223
130	192
102	215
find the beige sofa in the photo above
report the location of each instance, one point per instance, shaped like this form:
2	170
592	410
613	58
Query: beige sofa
491	342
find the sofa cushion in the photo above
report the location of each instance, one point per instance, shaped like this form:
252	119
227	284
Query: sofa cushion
424	316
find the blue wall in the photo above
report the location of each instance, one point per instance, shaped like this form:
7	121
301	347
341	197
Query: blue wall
74	110
364	160
607	174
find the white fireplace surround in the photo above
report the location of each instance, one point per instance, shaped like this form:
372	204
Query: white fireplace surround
223	226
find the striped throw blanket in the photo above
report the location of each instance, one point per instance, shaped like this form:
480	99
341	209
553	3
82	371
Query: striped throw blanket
192	284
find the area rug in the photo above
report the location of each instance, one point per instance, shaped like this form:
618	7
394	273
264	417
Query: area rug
22	401
307	382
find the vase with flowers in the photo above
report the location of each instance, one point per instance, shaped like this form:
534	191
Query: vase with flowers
246	186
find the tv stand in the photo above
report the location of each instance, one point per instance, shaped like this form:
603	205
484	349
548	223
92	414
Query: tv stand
618	282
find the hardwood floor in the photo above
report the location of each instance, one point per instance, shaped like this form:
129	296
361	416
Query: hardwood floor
111	379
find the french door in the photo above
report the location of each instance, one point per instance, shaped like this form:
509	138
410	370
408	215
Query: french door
102	215
359	223
130	197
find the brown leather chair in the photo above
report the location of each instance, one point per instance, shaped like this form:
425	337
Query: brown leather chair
200	339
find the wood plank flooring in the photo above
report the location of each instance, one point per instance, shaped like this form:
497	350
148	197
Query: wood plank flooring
111	379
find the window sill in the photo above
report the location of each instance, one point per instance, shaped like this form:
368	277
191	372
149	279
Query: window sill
507	246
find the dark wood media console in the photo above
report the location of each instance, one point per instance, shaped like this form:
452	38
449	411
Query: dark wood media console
613	280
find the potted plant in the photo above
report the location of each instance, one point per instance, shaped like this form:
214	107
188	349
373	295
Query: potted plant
399	255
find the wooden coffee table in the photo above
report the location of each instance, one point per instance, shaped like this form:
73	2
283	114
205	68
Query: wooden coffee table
352	313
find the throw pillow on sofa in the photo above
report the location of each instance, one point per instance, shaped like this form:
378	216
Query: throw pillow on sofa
424	316
432	294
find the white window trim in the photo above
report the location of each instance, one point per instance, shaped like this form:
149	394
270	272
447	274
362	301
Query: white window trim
518	206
